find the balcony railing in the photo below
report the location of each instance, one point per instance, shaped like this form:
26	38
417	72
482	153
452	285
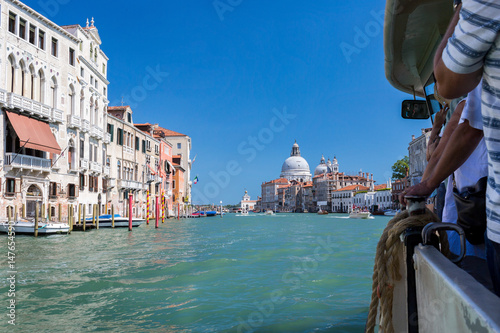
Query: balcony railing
105	170
29	105
85	125
131	184
95	167
57	115
107	138
74	121
27	162
96	132
128	150
112	182
84	164
3	97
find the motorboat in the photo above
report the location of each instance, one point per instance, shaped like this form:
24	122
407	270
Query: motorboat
322	212
244	212
357	214
269	212
106	221
390	212
28	227
211	213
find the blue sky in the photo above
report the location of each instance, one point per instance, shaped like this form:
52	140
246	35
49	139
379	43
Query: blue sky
233	65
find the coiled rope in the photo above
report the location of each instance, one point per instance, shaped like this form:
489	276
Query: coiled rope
387	265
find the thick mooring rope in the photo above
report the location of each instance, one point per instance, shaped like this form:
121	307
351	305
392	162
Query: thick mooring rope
386	268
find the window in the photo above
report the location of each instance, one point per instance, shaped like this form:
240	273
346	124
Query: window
12	22
104	91
22	28
91	80
104	69
32	34
179	145
119	170
143	146
82	181
119	136
104	185
111	131
53	190
96	84
173	184
82	149
71	190
90	152
10	186
54	47
71	57
129	117
82	72
137	144
81	46
41	39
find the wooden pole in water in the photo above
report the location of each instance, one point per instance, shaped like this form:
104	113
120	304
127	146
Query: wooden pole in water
35	232
43	212
71	217
9	214
84	218
24	211
79	213
130	212
112	216
97	216
163	208
93	214
15	213
147	207
157	208
178	211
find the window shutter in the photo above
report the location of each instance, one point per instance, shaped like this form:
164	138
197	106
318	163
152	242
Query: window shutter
58	189
121	137
77	190
18	185
112	132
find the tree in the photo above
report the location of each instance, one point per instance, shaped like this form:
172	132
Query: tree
400	168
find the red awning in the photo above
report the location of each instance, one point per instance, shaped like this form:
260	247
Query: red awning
34	134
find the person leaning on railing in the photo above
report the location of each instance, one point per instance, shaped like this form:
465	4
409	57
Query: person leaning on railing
467	54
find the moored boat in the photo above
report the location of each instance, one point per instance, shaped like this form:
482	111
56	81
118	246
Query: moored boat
211	213
390	212
28	227
322	212
106	221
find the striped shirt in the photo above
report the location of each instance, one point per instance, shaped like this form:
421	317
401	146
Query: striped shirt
475	44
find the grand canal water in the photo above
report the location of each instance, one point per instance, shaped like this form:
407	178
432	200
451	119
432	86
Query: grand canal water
282	273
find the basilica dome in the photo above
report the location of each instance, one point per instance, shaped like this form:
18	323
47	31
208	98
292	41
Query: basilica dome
322	167
296	167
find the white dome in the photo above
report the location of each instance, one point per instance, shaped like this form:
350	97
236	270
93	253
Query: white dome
322	167
296	167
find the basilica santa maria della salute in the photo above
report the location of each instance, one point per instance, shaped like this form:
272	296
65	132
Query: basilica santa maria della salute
297	190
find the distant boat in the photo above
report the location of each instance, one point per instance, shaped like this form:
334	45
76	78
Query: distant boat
269	212
244	212
391	212
211	213
322	212
28	227
106	221
356	214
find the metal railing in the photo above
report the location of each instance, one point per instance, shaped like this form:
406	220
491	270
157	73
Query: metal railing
131	184
85	125
106	170
95	167
74	121
27	162
57	115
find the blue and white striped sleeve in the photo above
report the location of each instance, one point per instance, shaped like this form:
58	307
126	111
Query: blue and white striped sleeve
473	37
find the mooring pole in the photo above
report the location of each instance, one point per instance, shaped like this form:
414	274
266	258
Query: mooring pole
84	218
36	221
130	212
112	216
147	207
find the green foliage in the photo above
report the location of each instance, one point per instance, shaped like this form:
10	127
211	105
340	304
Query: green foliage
400	168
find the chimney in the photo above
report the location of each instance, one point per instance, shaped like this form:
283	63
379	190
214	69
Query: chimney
412	137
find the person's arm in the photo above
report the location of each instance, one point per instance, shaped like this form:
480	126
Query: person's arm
434	138
450	84
422	189
448	131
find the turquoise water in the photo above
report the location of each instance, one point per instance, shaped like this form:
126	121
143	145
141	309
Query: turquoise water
281	273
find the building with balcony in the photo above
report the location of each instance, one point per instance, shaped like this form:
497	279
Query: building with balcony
52	83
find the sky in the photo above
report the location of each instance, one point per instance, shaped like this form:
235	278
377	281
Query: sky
245	79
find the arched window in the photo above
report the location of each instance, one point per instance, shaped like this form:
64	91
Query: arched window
11	74
91	51
95	55
41	96
91	110
71	155
23	78
96	112
82	103
119	170
53	92
32	83
71	100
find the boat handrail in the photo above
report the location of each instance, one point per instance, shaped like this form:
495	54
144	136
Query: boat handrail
431	228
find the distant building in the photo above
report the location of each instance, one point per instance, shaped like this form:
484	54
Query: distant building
246	203
269	192
417	156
